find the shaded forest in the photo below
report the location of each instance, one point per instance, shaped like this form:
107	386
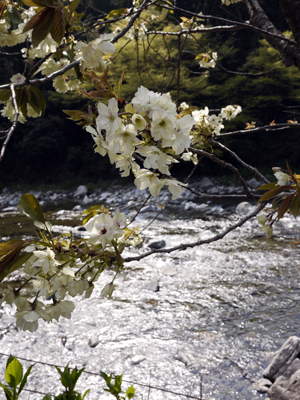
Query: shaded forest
54	150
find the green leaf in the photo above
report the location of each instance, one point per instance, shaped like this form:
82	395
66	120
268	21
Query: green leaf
8	253
73	5
8	392
116	13
24	380
5	95
92	211
64	378
14	265
295	205
85	393
268	186
47	397
15	16
118	382
9	360
29	206
14	373
21	99
36	100
118	85
108	289
106	378
130	392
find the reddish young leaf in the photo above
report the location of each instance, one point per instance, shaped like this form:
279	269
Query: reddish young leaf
59	25
272	193
41	23
295	206
2	8
41	31
291	174
268	186
84	118
284	206
97	95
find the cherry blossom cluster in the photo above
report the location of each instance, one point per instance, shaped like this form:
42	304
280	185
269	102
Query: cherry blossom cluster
67	268
207	125
150	136
208	60
145	140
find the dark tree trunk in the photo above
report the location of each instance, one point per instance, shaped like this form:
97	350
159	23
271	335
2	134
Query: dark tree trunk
289	49
291	12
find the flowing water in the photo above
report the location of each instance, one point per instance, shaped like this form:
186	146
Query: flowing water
206	319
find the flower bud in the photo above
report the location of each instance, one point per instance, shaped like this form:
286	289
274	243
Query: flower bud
139	122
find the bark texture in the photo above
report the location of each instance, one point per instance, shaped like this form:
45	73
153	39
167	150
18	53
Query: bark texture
291	12
289	49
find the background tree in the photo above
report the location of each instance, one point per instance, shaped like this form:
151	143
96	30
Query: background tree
263	96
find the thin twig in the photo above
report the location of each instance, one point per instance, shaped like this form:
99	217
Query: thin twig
275	127
123	47
132	20
233	196
146	66
222	28
157	214
42	80
224	165
138	211
246	73
233	154
182	47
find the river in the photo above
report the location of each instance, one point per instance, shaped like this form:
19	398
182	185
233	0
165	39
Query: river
210	316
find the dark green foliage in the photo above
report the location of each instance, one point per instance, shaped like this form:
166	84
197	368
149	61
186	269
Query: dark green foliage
54	149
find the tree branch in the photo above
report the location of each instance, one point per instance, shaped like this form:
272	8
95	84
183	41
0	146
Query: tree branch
43	80
227	28
206	196
132	20
200	242
14	124
233	154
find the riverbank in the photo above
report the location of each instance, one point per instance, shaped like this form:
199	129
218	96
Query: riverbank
115	193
